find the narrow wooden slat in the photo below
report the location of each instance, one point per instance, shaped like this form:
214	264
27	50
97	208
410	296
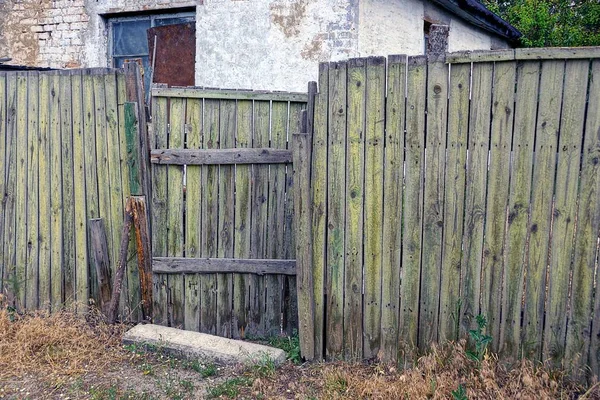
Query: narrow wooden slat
243	222
319	206
498	183
175	204
373	222
159	211
557	53
413	200
454	200
144	256
100	261
478	147
8	202
44	192
392	206
579	336
131	134
336	209
565	208
433	202
199	93
354	197
193	216
79	194
182	265
227	111
548	120
210	215
221	156
32	274
518	205
21	278
3	161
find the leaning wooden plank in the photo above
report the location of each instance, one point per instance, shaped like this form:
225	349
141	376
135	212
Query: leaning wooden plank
557	53
21	193
226	214
565	208
548	123
182	265
120	274
355	194
159	211
579	336
32	274
319	205
373	213
243	222
3	159
392	206
336	209
478	147
144	257
44	192
100	261
413	200
455	179
229	94
193	220
433	202
220	156
498	183
210	218
518	205
175	203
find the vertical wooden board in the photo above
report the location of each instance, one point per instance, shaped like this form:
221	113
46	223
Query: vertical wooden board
454	199
518	205
433	202
354	197
175	201
56	222
159	209
586	240
193	220
91	175
242	219
477	166
373	216
133	296
68	220
258	239
336	217
392	206
413	200
8	202
275	219
210	217
21	192
542	191
319	207
227	118
565	203
497	198
3	158
31	296
44	192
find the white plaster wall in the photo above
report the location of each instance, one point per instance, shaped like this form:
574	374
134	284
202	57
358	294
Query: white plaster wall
467	37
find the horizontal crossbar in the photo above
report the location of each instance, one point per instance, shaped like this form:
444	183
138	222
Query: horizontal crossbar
184	265
197	93
220	156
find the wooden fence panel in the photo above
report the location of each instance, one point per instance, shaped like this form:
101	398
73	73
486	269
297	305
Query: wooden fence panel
21	192
3	157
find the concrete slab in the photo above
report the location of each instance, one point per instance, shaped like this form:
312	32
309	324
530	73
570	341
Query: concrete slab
200	345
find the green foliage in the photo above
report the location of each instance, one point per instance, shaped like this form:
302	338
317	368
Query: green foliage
263	366
479	339
552	23
460	393
289	344
229	388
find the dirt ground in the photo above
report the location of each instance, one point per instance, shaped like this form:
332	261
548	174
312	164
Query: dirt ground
70	356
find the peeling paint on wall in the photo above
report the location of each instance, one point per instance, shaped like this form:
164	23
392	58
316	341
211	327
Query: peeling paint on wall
288	15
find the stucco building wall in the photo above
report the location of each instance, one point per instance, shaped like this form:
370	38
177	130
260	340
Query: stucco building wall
252	44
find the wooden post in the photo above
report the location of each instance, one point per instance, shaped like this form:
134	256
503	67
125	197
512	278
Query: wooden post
99	247
116	292
142	241
133	149
302	148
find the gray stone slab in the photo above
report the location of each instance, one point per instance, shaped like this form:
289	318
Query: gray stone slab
200	345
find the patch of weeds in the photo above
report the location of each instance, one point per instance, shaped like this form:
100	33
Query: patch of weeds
147	368
104	393
264	366
460	393
480	340
336	383
289	344
205	371
187	385
229	388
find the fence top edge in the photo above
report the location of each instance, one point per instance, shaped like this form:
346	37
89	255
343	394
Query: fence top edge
542	53
229	94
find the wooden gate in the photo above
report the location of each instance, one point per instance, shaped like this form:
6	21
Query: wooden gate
222	210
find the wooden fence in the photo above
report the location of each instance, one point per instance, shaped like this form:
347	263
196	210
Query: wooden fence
63	161
442	190
222	210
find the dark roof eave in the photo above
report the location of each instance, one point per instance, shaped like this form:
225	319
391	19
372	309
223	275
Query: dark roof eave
477	14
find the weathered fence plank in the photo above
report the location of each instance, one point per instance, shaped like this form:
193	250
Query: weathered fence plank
178	265
221	156
20	239
44	193
3	158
